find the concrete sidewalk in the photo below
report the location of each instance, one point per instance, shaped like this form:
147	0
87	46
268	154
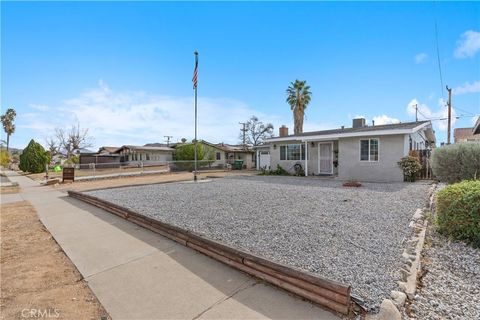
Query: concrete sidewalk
137	274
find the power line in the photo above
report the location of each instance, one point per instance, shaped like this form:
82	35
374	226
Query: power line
438	50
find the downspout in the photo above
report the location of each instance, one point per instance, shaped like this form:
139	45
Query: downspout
306	159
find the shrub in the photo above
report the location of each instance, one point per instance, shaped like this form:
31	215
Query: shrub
4	158
33	158
410	166
456	162
458	211
278	172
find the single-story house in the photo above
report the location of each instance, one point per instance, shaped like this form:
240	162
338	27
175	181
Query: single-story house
146	155
362	152
225	154
465	135
103	158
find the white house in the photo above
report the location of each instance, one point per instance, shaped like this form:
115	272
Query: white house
364	153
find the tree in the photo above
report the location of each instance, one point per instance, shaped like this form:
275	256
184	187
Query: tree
72	140
186	152
7	122
52	146
256	132
34	158
298	97
4	158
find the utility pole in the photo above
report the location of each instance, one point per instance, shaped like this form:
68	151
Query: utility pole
416	112
449	113
244	130
168	140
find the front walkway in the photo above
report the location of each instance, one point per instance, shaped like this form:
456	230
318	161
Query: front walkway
137	274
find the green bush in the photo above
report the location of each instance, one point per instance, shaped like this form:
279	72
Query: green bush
33	158
458	211
278	172
410	166
456	162
4	158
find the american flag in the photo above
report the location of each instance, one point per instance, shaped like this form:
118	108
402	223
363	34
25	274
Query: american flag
195	72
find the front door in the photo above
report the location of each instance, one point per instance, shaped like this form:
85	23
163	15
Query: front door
325	158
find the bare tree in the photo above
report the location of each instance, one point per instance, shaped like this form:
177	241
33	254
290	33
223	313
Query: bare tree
52	146
72	140
256	131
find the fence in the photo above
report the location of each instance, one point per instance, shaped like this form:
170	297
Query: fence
86	171
424	157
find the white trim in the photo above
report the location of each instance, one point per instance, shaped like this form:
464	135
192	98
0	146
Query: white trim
360	149
306	158
349	134
331	157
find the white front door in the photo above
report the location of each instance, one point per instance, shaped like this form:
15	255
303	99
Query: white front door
325	158
264	161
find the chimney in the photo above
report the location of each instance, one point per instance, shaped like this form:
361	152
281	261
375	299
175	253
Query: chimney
373	123
358	123
283	131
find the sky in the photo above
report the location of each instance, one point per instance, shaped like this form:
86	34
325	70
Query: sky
124	69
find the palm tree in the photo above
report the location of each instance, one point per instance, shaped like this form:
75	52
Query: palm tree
8	126
298	97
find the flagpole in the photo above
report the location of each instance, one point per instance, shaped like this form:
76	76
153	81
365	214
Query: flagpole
195	143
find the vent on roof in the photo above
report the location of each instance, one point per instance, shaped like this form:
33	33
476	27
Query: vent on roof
358	123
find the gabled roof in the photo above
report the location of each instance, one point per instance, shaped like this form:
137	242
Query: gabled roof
386	129
108	149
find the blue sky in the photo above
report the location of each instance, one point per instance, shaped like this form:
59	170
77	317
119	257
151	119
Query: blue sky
124	69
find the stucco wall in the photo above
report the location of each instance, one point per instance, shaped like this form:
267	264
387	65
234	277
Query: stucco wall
391	150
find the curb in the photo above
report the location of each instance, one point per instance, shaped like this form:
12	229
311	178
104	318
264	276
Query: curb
390	309
328	293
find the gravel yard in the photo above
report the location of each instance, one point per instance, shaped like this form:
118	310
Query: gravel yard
352	235
450	288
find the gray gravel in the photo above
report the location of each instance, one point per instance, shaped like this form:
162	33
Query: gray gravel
352	235
451	285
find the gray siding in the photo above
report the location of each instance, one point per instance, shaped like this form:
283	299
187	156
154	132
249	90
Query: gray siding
391	150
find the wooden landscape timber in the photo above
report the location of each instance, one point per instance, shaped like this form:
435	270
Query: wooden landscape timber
328	293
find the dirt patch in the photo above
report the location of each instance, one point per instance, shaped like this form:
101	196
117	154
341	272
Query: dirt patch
9	190
146	179
38	279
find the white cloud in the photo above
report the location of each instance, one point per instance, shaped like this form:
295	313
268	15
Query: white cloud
421	58
468	45
118	118
426	113
384	119
40	107
467	87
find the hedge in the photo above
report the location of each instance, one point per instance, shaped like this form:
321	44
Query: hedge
458	211
456	162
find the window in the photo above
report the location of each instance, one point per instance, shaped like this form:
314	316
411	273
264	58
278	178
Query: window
219	156
369	150
292	152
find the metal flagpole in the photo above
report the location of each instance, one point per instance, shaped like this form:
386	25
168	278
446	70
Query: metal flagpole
195	142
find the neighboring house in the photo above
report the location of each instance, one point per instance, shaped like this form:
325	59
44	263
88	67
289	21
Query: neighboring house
465	135
226	154
144	154
364	153
105	157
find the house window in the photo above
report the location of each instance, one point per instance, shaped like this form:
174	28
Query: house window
369	150
292	152
219	156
